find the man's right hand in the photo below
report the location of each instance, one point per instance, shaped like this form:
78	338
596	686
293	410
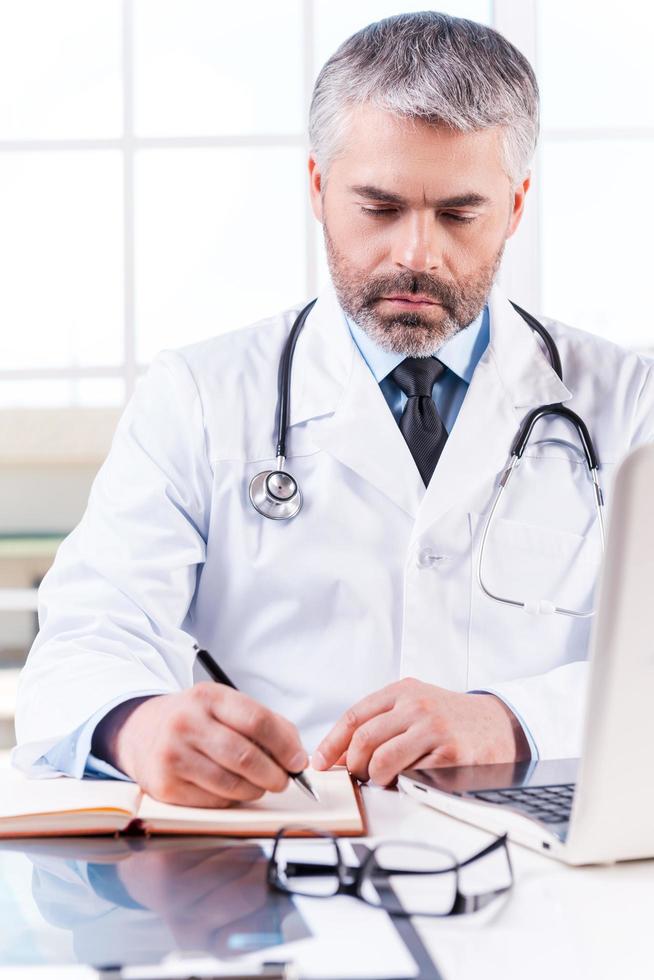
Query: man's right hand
207	746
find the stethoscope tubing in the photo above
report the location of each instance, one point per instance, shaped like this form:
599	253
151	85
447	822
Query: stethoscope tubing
533	606
284	380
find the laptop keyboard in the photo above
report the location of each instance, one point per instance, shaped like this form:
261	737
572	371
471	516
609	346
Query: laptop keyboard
550	804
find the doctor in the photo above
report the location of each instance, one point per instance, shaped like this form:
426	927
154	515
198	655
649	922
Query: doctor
356	629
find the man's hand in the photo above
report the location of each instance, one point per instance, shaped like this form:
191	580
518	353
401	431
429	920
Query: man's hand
207	746
410	723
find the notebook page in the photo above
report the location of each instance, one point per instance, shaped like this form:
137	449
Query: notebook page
337	809
20	796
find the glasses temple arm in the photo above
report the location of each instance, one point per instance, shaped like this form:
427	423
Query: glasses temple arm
498	842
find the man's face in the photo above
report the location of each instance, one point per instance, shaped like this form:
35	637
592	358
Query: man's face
415	219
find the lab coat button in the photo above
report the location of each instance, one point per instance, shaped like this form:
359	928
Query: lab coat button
427	558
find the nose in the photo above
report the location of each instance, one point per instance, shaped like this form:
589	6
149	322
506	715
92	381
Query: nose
417	244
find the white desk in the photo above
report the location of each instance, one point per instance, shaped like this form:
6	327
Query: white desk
558	923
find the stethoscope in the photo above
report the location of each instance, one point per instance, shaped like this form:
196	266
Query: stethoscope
276	494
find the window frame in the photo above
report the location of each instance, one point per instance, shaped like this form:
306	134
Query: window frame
520	275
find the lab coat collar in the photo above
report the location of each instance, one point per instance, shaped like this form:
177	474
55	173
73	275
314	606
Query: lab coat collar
520	359
322	362
332	384
336	395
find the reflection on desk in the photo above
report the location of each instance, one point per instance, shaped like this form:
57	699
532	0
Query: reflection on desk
141	901
134	902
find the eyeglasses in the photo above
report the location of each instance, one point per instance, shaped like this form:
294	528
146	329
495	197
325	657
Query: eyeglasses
401	877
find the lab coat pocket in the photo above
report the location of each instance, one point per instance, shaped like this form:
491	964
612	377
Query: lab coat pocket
542	566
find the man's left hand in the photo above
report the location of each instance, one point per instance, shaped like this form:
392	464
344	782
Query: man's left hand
412	724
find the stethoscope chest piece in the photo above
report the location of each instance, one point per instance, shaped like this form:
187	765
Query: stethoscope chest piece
275	494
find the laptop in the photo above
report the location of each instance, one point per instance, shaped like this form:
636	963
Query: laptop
599	808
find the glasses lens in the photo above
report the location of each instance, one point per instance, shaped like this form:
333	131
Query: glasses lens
308	867
488	874
411	878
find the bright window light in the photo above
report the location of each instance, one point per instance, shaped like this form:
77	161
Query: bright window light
154	191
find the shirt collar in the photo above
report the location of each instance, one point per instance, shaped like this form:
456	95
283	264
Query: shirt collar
461	353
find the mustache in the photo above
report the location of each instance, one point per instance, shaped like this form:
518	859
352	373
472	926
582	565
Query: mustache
418	284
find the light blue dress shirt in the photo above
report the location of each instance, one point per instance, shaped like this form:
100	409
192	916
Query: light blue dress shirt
460	355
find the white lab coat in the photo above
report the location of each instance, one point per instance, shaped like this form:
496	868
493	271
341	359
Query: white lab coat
375	578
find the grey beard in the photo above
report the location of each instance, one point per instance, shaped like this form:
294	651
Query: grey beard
402	336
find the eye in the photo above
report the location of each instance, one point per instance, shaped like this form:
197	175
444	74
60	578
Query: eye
450	215
465	219
377	212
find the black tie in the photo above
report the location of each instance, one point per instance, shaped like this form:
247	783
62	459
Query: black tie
420	423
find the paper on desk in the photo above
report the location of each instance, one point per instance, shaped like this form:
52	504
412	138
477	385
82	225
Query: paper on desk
350	940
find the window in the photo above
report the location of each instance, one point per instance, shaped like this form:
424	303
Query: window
596	161
153	180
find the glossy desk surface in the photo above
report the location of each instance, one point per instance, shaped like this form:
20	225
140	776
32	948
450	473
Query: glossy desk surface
98	900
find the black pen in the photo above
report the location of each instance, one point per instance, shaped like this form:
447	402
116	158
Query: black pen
218	674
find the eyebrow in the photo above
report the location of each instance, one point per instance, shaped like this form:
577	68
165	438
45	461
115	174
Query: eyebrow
469	199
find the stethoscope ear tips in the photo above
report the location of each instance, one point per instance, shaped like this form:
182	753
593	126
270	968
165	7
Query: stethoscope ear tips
275	494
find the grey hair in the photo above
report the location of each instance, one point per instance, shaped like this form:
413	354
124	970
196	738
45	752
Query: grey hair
429	66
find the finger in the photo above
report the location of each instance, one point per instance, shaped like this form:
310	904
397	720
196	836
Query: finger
400	752
181	792
445	755
220	779
214	785
341	761
268	730
245	760
368	738
337	741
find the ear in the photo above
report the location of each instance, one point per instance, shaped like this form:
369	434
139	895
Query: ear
315	187
519	194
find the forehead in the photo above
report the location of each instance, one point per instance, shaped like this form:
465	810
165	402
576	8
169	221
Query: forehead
408	156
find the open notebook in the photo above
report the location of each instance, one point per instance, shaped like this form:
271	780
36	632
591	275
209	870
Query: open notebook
61	806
